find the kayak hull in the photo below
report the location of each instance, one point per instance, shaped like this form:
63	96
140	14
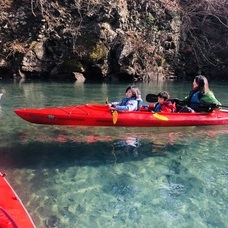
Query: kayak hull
100	115
12	211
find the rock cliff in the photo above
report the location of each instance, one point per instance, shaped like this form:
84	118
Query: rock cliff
110	40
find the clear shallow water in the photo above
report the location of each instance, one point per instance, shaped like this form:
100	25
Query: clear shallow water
117	177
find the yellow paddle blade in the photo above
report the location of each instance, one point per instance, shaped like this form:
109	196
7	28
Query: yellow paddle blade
106	101
115	117
160	117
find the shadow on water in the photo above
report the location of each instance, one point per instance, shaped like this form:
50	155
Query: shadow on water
62	148
66	154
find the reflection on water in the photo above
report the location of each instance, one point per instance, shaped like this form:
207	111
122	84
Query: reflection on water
118	177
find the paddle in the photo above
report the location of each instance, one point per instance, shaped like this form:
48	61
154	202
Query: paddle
114	116
154	98
160	117
113	112
151	98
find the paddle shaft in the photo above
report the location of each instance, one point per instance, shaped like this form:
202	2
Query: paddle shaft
113	112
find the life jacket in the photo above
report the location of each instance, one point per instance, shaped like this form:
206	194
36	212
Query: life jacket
167	106
125	100
194	99
127	104
157	107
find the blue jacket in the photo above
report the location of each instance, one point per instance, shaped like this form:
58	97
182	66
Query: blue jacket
127	104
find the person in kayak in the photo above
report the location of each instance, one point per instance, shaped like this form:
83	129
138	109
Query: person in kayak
131	102
201	98
163	104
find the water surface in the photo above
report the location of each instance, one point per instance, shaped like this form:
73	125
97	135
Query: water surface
117	177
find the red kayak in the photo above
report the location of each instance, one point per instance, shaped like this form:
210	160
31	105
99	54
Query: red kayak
12	212
100	115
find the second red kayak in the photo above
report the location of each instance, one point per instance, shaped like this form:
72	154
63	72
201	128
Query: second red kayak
100	115
12	212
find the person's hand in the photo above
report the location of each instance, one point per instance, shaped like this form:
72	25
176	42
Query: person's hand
112	108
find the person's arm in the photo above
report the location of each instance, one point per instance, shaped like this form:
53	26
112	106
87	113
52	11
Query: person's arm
115	103
130	106
186	100
209	97
112	105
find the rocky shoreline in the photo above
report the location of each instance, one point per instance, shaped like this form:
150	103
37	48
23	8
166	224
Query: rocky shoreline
115	40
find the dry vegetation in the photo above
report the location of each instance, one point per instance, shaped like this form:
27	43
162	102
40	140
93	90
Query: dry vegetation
202	21
5	4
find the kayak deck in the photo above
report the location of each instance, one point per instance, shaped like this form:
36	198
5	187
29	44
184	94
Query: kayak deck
100	115
12	211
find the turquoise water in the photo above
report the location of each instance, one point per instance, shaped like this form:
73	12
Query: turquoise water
116	177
